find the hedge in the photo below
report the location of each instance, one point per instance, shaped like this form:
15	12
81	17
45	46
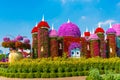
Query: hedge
58	67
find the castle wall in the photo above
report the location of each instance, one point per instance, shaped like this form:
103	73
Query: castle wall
67	41
94	48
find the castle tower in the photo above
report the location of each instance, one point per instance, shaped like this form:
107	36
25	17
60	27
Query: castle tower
87	35
94	45
43	39
116	27
100	32
53	42
34	42
111	41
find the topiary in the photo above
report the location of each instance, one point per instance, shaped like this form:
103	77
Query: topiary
53	75
61	74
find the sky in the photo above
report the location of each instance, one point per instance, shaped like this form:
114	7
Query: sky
18	17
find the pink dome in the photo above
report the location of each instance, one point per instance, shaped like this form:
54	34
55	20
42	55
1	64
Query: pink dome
110	31
53	33
69	29
93	37
116	27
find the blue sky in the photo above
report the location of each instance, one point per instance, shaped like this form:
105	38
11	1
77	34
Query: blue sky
20	16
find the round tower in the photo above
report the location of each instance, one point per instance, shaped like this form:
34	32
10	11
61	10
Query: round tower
43	39
111	41
34	42
94	45
116	27
86	34
53	42
100	33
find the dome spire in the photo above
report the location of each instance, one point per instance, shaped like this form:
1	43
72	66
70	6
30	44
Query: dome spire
93	31
43	18
52	26
86	29
99	24
68	20
36	24
110	25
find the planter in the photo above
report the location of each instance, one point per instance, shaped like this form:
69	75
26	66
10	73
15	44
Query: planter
15	56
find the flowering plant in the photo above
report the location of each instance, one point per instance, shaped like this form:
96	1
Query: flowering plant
18	43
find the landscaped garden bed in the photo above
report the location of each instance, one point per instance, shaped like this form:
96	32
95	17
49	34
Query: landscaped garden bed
58	67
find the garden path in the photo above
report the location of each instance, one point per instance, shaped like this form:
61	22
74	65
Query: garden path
65	78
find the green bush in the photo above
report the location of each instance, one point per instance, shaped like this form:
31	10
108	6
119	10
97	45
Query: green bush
23	75
44	75
94	75
61	75
68	74
60	69
30	75
53	75
37	75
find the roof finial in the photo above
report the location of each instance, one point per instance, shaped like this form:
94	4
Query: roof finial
36	24
110	25
86	29
90	32
93	31
43	17
52	26
68	20
99	24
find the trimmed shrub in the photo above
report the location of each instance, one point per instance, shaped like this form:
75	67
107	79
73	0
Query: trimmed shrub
30	75
23	75
53	75
61	74
37	75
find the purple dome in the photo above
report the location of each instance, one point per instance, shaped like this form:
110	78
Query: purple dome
93	37
53	33
110	31
69	29
116	27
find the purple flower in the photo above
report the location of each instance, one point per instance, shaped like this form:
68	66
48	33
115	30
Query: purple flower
110	31
19	38
53	33
26	41
69	29
14	40
93	37
6	39
73	46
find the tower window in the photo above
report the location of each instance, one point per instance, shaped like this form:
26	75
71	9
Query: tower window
42	49
60	45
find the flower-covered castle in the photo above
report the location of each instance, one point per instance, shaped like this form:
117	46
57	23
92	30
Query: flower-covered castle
68	40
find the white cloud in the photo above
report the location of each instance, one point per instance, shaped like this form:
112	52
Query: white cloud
106	22
63	1
83	17
86	1
118	4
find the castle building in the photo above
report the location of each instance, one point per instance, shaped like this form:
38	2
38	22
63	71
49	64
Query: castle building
67	40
